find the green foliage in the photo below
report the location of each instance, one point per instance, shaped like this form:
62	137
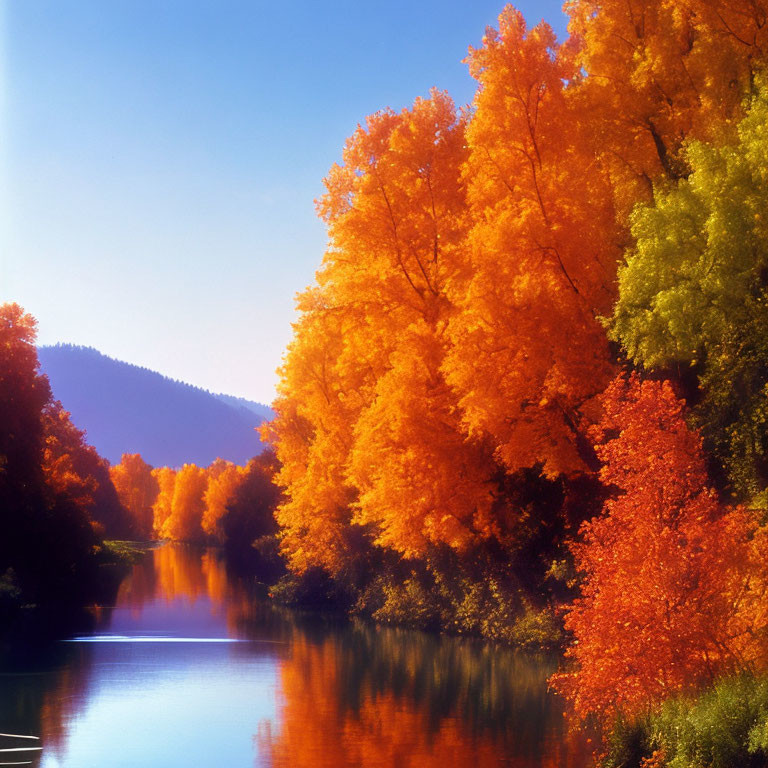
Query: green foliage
475	594
694	291
410	604
123	552
536	629
724	727
628	742
447	597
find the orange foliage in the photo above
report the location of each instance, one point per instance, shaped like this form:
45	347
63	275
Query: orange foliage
191	503
74	469
313	439
658	72
161	509
224	478
675	585
62	440
528	353
184	522
138	489
455	325
364	418
419	479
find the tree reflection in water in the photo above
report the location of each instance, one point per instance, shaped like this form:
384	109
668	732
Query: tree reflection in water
301	690
365	697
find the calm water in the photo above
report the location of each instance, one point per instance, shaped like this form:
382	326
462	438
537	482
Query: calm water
188	670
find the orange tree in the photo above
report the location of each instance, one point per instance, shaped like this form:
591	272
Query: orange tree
138	489
366	429
528	354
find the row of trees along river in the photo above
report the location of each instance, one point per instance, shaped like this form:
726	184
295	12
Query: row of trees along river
526	394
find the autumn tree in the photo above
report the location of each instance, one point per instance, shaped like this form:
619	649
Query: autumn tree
224	478
138	490
528	354
185	520
74	468
48	538
453	346
374	326
654	73
420	480
312	439
161	509
693	295
565	138
674	585
24	393
248	525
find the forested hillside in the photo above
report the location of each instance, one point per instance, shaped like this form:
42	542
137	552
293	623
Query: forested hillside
127	409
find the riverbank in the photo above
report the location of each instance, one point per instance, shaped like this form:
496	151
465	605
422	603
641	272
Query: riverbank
202	670
110	563
480	595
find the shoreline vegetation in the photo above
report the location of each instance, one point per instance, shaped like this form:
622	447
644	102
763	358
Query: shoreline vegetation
526	397
110	564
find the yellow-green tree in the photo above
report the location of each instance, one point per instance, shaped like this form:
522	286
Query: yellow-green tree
693	295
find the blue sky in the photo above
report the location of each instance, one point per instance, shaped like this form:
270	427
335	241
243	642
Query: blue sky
161	158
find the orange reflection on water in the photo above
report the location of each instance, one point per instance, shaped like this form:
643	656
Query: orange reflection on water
214	572
339	694
397	717
179	576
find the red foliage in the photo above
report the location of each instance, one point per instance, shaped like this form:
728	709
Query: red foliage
674	585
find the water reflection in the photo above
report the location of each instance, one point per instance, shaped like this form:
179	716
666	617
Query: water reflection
294	690
362	697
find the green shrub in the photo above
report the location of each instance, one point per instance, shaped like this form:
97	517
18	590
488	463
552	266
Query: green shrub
312	589
629	741
536	629
10	595
409	603
726	726
123	552
719	729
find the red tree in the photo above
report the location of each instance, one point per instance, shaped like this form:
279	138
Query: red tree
674	583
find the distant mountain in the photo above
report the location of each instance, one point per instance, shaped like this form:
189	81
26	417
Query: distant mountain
264	412
127	409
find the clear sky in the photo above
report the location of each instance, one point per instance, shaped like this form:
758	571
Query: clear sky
161	158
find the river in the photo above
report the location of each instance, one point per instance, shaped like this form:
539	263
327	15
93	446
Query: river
190	669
